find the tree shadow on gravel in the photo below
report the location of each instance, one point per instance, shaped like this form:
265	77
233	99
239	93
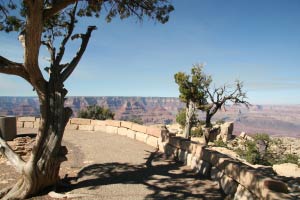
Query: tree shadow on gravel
165	179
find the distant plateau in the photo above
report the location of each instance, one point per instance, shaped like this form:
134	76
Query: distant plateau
276	120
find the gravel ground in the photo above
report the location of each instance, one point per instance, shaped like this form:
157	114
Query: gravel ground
108	166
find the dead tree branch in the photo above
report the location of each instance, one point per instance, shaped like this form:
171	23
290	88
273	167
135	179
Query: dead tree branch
70	28
72	65
13	158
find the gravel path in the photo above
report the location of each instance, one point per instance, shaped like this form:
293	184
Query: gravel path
107	166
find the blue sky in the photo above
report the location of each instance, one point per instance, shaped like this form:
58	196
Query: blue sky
255	41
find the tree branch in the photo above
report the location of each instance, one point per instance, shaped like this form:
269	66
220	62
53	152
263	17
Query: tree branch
14	158
71	66
67	36
50	48
60	5
13	68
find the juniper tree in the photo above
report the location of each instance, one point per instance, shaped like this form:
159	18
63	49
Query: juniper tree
47	23
96	112
196	91
192	93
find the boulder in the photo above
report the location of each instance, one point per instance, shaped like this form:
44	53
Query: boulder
226	131
261	146
214	133
287	169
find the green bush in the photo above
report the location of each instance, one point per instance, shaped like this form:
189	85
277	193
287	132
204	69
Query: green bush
220	143
290	158
220	121
251	154
133	118
96	112
181	118
262	136
197	132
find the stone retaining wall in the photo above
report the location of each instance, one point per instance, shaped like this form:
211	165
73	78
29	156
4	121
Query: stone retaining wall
236	179
147	134
239	180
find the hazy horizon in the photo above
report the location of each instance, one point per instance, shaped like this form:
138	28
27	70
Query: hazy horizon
2	96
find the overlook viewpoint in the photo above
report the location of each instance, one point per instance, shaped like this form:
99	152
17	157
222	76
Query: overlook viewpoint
149	99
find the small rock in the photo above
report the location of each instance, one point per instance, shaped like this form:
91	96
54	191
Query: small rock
242	135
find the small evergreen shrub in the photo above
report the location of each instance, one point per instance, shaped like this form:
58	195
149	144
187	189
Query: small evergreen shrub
290	158
181	118
133	118
252	155
96	112
220	143
197	132
220	121
270	157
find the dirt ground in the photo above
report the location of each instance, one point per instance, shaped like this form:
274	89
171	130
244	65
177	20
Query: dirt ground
108	166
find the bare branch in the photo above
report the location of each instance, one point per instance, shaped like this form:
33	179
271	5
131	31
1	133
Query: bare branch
50	48
13	68
85	39
67	36
14	158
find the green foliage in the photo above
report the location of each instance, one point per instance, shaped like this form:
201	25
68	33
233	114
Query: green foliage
133	118
220	121
250	154
290	158
220	143
9	22
96	112
253	156
192	87
262	136
12	14
197	132
181	118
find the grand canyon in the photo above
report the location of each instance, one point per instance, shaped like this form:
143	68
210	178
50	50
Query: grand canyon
276	120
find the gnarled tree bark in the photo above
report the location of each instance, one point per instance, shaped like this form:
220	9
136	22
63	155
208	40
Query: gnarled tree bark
42	168
190	111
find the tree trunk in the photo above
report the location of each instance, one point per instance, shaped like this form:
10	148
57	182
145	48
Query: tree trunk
208	119
190	110
207	135
42	169
207	127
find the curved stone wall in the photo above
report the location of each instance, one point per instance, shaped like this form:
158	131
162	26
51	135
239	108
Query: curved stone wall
235	178
147	134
